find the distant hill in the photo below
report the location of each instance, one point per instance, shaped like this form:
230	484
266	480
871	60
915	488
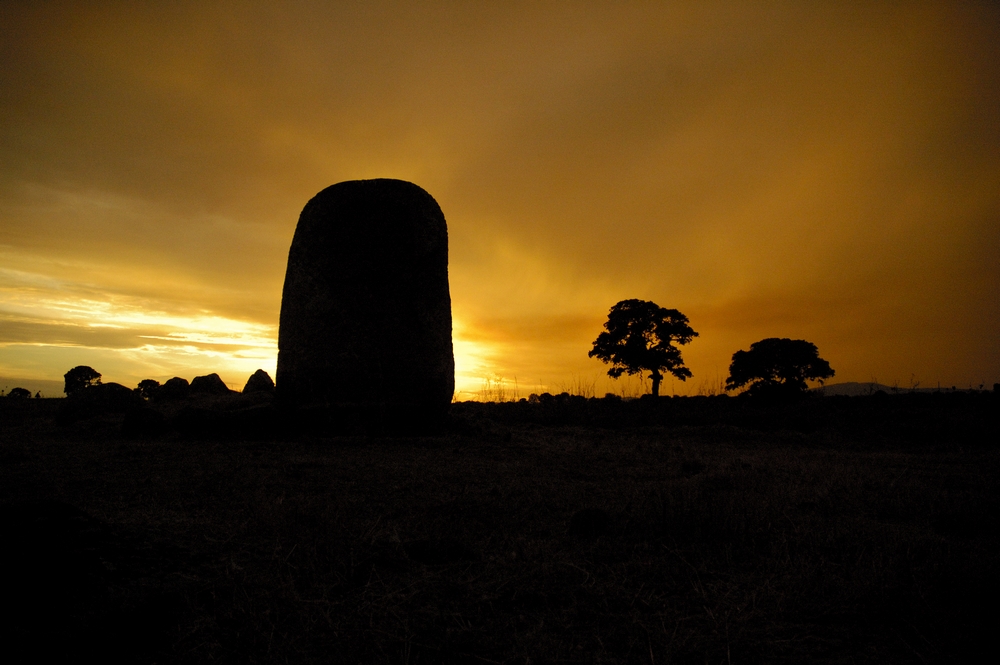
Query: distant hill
47	387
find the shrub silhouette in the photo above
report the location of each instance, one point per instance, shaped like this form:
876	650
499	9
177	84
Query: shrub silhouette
777	366
19	393
147	388
80	378
640	336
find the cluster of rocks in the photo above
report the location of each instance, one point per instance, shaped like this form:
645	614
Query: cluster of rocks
177	388
364	338
204	406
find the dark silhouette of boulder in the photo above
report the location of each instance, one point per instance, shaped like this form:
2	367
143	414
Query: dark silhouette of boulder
211	384
175	388
98	400
259	382
365	329
108	397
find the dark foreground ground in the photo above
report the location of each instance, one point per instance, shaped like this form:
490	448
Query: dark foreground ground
835	530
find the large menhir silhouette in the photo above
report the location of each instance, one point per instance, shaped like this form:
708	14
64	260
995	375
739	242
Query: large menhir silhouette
364	337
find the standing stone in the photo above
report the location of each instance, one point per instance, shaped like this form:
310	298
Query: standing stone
364	338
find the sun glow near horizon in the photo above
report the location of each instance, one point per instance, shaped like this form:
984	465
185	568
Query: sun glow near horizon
823	171
128	339
51	324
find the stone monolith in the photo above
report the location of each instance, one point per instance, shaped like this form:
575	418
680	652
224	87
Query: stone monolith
364	337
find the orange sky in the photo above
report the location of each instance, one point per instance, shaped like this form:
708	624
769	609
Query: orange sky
825	171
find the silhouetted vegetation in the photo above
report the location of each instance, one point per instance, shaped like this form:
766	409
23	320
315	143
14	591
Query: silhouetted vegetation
641	336
19	393
148	388
854	529
80	378
209	525
776	366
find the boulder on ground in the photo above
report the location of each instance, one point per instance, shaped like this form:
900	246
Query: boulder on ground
365	326
259	382
175	388
211	384
98	400
108	397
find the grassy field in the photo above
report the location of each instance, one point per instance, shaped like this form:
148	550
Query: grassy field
850	530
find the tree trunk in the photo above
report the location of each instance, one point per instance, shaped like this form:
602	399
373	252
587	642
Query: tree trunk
656	377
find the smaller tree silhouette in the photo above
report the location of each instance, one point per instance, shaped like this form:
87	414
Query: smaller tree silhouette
640	336
79	378
19	393
147	388
777	366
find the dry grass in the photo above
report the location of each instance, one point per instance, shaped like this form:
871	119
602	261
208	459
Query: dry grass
724	544
498	389
580	387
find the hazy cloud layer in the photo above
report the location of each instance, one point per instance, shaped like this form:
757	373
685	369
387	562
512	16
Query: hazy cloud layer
829	171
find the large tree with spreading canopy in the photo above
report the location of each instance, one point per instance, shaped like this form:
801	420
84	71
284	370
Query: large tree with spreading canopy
642	336
774	366
80	378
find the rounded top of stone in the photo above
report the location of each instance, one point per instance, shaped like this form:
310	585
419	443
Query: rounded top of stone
377	184
394	220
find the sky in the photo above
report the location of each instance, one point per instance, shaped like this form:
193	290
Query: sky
824	171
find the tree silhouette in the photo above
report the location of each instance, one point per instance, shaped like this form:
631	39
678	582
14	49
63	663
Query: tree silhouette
147	388
19	393
80	378
777	366
640	336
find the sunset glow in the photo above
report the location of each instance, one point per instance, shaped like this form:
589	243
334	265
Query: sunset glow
821	171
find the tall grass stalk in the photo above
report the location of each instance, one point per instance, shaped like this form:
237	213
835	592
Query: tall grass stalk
498	389
632	387
581	387
710	387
